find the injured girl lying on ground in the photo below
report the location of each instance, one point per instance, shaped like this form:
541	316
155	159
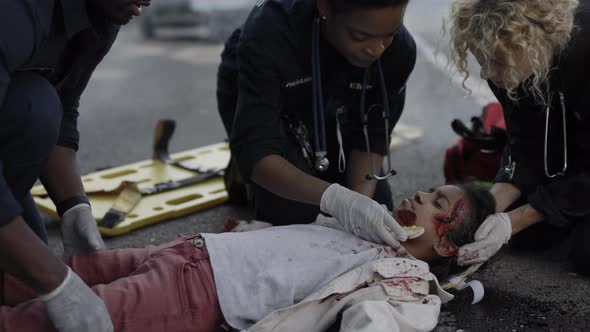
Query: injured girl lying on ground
287	278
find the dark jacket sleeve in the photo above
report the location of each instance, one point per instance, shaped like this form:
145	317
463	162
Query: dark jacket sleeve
227	82
91	47
4	81
526	127
9	207
565	199
257	131
15	49
398	63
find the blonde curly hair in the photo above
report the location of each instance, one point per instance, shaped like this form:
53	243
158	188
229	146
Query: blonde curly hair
513	30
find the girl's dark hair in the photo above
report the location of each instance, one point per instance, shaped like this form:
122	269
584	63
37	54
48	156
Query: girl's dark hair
480	204
340	6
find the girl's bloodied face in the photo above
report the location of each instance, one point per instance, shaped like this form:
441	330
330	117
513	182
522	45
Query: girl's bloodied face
436	212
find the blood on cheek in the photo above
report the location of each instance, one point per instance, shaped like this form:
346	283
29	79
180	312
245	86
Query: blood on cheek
442	221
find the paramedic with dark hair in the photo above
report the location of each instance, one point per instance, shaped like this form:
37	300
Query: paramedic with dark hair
294	82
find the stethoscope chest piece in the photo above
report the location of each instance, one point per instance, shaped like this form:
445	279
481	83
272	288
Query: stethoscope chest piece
322	163
510	169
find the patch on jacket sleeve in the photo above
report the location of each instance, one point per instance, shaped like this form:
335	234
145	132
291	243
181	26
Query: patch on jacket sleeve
402	267
404	279
406	288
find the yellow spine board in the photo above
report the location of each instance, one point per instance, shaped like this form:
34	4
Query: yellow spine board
104	186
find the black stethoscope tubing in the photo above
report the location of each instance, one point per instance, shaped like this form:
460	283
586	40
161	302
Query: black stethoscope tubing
321	162
319	127
510	168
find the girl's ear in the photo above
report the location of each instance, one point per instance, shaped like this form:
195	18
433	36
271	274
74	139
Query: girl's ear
444	248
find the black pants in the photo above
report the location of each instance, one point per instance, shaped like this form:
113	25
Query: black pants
29	126
543	236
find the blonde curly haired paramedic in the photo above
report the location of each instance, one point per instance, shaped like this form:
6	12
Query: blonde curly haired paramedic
535	55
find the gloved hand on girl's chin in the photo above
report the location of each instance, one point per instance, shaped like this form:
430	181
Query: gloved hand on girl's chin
362	216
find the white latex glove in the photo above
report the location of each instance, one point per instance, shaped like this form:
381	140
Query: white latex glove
74	307
495	231
362	216
79	231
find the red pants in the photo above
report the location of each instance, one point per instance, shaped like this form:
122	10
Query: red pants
165	288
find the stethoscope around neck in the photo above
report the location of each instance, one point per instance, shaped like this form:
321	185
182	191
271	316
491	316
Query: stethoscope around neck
511	167
321	162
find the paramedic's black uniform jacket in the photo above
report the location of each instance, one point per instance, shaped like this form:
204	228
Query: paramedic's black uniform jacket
564	199
273	54
57	39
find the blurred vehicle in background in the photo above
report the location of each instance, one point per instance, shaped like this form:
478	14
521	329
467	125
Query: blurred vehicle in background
213	19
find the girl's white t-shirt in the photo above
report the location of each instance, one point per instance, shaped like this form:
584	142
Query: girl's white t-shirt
261	271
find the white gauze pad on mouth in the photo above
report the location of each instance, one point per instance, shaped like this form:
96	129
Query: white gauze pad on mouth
413	231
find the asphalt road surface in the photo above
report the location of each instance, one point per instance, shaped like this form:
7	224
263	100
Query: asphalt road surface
141	81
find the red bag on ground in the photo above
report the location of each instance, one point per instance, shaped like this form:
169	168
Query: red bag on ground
477	153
